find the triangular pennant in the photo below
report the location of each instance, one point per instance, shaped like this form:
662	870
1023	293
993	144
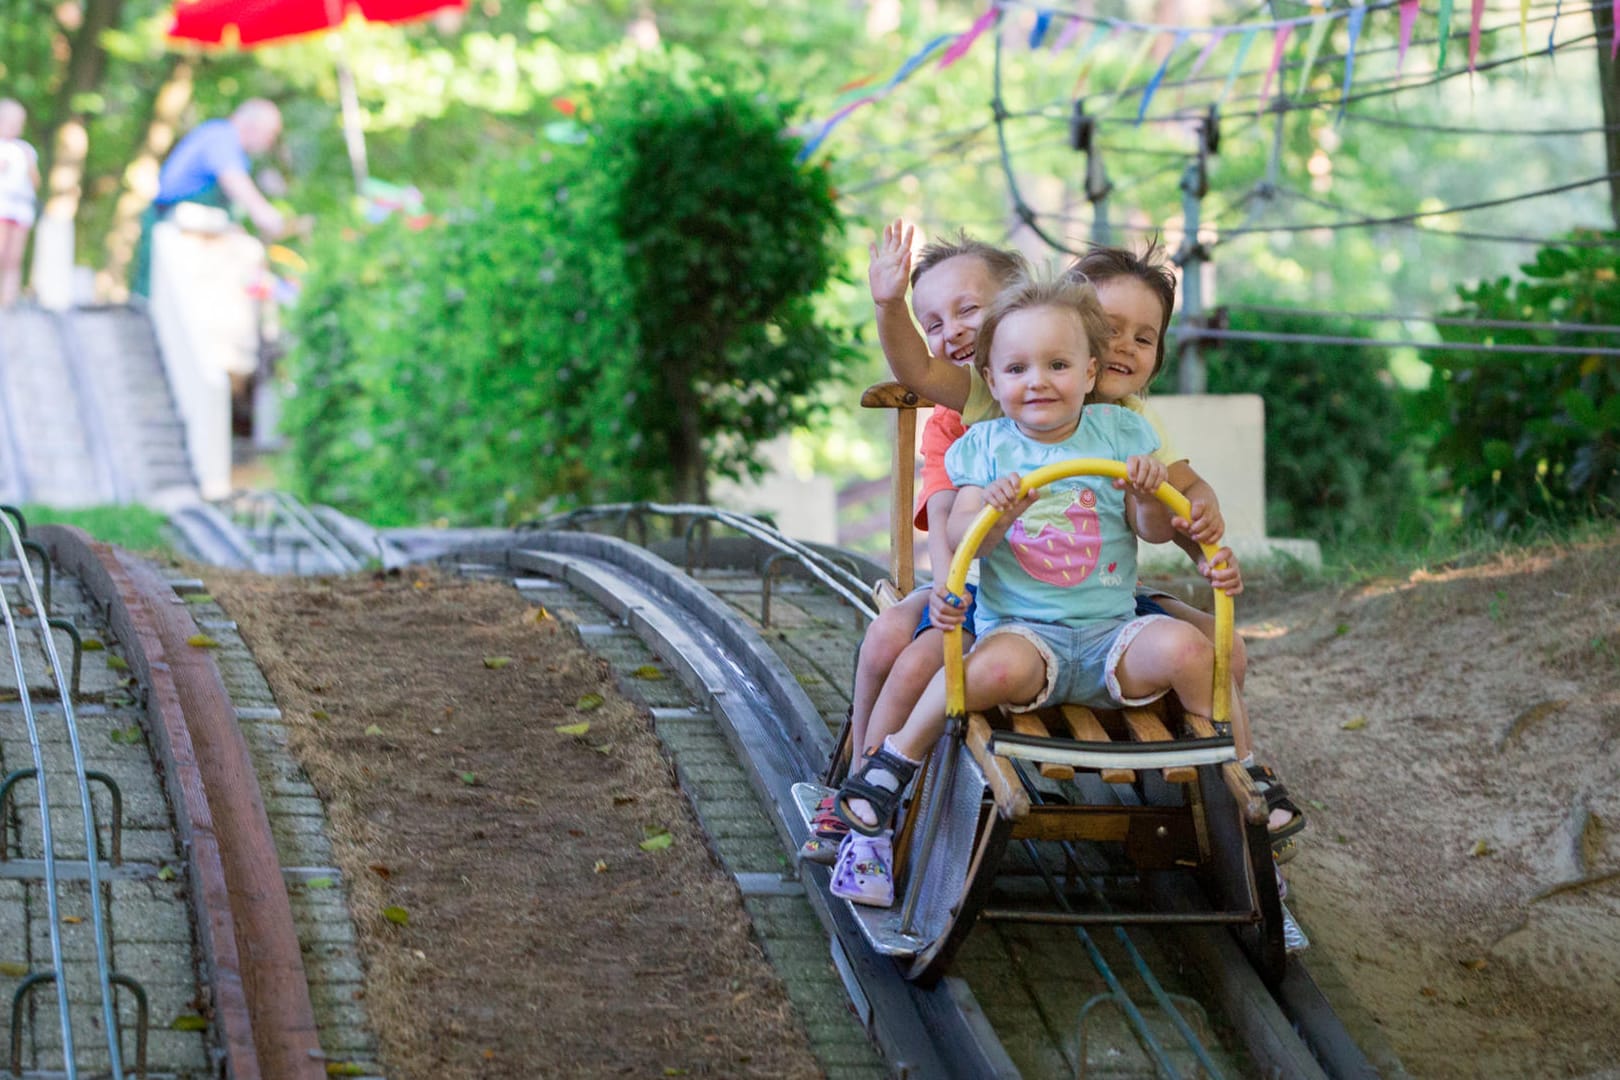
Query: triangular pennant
1043	21
1215	38
1066	38
1237	65
1158	76
1098	34
1558	9
1409	14
1358	14
1279	43
1319	31
1614	40
1524	25
1137	58
965	42
1445	31
1475	18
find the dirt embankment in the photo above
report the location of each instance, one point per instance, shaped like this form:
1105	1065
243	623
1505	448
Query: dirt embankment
1458	734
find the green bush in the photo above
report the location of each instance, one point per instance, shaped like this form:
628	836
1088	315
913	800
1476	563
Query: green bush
1337	468
1526	437
612	320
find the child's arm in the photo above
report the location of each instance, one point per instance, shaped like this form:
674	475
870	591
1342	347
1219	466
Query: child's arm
889	274
1205	523
1001	493
1148	517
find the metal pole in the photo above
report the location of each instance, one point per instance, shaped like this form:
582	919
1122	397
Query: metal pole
1193	378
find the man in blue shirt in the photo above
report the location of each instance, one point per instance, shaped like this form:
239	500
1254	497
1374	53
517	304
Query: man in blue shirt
210	166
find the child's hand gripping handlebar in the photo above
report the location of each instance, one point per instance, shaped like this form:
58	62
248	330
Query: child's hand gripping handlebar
956	580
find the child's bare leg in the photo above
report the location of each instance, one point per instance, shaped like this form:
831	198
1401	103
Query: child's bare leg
907	680
1242	740
13	238
1168	654
887	637
1003	668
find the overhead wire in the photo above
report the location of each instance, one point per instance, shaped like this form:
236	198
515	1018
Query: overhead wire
1461	234
1278	337
1438	320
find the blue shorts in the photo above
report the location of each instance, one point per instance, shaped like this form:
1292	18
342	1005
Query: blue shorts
927	622
1147	605
1081	661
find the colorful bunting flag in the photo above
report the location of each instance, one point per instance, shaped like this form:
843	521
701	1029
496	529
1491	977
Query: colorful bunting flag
1158	76
1066	38
1445	30
1319	31
1475	19
1358	14
1140	55
1409	14
1279	42
965	42
1237	65
1043	20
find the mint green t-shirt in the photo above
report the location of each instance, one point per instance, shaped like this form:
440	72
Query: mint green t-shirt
1070	558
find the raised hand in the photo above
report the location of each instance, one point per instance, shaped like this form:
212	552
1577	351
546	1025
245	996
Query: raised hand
889	272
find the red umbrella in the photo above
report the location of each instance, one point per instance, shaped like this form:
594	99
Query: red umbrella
259	22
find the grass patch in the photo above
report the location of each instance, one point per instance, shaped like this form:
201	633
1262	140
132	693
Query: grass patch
1445	549
135	527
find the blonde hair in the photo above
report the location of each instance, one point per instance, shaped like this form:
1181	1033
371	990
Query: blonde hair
1066	293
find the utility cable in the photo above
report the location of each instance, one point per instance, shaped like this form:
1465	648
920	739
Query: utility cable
1199	333
1438	320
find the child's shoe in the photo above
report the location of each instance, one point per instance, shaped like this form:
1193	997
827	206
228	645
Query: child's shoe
1294	939
827	832
865	870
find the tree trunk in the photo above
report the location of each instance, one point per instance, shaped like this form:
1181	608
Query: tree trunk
686	447
140	178
1609	92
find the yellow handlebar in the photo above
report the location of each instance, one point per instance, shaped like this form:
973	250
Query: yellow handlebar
956	580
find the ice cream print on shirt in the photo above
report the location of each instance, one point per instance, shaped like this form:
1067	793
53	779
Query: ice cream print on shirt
1057	539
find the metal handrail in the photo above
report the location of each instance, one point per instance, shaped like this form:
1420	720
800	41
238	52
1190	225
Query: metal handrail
92	862
847	585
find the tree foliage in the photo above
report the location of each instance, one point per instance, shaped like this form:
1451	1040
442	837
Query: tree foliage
1337	464
1523	437
603	321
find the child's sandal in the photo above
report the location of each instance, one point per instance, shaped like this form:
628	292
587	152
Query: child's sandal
881	781
865	870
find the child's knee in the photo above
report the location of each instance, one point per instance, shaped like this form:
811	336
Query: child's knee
917	664
885	640
1240	660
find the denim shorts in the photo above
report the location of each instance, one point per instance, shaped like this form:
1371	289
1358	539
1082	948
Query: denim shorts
1147	602
1081	661
927	622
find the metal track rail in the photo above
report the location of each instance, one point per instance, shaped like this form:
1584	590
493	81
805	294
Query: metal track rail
780	738
215	538
112	479
262	1016
14	526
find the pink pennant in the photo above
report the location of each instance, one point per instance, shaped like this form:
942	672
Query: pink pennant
1614	42
962	44
1215	39
1409	14
1278	45
1473	32
1067	36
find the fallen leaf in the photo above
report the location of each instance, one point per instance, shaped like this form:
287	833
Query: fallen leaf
318	883
1480	848
345	1068
91	644
1429	992
202	641
1342	629
469	778
73	920
650	672
601	867
489	1055
373	729
380	870
495	663
657	840
199	598
573	729
418	584
189	1022
166	874
320	714
1476	964
396	914
129	736
623	800
589	702
117	663
1354	725
605	748
1318	803
13	970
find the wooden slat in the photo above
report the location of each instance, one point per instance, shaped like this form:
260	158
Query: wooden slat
1251	804
1032	725
892	395
1199	725
1084	726
1011	799
902	557
1146	727
885	596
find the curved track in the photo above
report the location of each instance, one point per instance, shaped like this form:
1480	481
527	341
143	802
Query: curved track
257	998
782	737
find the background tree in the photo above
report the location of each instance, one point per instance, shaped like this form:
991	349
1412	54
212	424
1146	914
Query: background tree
619	314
